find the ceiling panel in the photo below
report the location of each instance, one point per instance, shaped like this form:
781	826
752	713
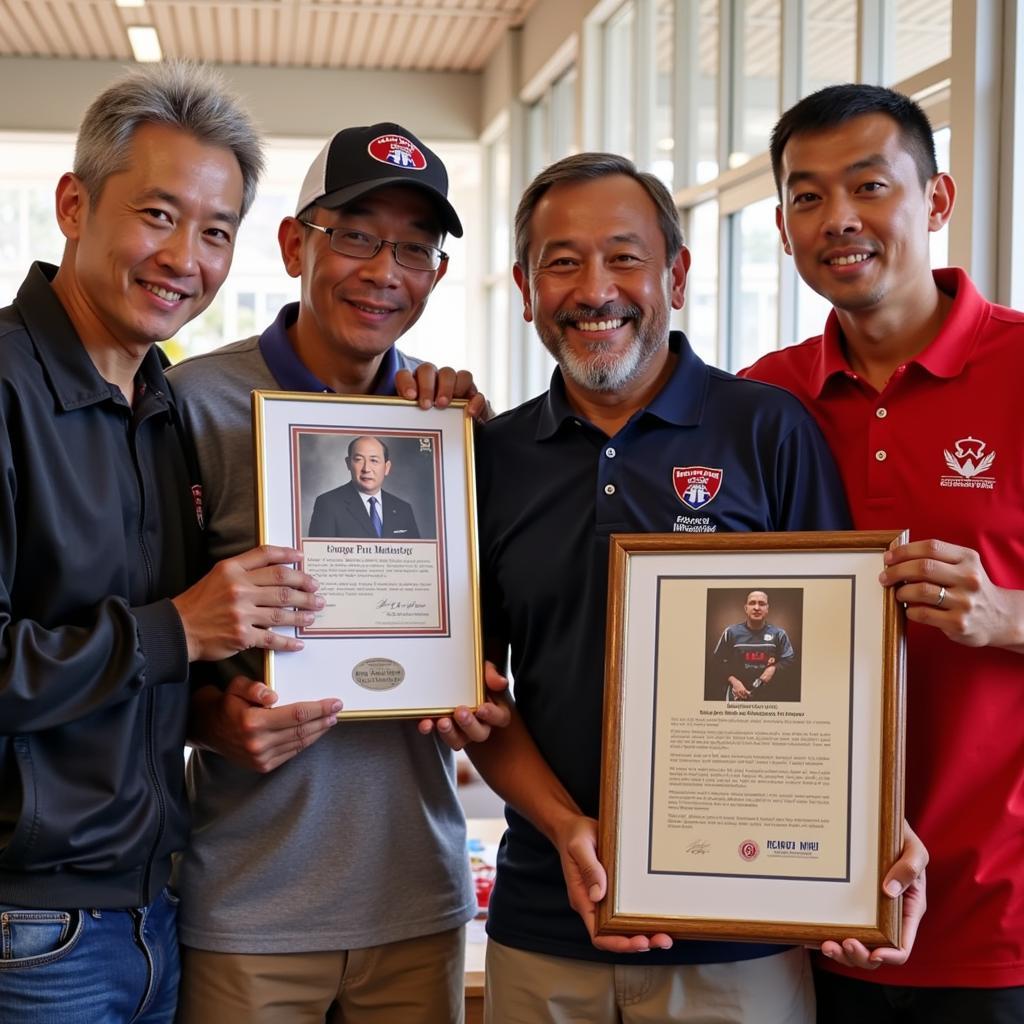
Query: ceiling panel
430	35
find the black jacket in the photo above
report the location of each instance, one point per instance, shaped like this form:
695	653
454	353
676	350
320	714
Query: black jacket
341	513
97	532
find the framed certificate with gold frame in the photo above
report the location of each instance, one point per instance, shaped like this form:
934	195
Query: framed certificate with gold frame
379	496
752	779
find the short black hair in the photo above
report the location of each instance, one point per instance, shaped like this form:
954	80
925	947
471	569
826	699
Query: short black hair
369	437
836	104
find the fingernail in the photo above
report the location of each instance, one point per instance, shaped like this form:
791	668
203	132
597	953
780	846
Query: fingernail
319	602
827	952
310	618
893	888
336	707
463	717
594	892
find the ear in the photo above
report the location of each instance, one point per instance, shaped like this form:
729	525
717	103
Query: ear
941	192
523	284
781	225
72	205
439	273
387	466
679	269
291	236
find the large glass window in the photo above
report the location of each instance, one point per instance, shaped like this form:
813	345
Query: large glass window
923	35
663	157
830	43
755	320
258	285
757	37
619	91
497	383
701	309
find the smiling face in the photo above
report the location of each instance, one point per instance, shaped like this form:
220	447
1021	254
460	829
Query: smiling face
368	464
353	310
855	216
598	288
151	251
756	609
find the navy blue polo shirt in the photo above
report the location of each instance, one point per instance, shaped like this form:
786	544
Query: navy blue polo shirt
293	375
710	453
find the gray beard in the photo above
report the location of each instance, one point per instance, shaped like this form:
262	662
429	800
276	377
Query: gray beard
599	372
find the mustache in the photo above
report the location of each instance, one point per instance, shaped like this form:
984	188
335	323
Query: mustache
568	317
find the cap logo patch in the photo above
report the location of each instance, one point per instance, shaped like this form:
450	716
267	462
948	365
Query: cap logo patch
398	151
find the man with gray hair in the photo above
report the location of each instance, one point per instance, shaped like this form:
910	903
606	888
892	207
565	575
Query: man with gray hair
100	552
631	419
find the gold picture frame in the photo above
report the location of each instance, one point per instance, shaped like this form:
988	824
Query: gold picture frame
379	495
770	819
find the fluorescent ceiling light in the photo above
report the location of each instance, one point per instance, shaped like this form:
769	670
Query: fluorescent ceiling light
145	43
129	3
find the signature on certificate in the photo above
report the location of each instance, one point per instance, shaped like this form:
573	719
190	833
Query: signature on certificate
699	846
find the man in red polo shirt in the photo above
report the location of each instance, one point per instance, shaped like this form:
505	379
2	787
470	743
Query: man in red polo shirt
915	384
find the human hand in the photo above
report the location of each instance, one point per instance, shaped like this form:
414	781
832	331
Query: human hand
469	726
431	386
587	884
947	587
233	606
906	876
739	691
242	724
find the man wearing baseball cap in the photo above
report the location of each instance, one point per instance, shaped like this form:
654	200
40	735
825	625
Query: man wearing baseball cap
335	884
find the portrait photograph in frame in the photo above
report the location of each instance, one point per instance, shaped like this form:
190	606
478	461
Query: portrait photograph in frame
379	496
770	812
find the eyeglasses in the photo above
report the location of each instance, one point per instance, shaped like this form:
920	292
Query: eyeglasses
364	246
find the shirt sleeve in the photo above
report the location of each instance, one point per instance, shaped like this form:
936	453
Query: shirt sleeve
54	674
808	492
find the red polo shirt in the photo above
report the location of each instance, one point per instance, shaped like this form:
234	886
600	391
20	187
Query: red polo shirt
939	450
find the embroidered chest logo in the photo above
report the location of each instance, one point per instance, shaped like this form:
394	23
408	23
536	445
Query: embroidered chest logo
399	151
197	502
695	486
969	463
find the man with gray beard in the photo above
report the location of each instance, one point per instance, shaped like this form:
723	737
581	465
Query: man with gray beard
636	434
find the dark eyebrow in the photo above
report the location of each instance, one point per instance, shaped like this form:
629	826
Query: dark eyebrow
874	160
226	216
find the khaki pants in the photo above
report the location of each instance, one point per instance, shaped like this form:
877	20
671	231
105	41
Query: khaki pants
531	988
418	981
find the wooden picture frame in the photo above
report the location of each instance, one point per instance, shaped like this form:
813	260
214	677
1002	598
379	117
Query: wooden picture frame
769	819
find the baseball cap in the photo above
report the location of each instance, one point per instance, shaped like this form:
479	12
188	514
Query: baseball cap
358	160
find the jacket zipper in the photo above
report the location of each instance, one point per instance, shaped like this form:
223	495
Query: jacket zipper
133	435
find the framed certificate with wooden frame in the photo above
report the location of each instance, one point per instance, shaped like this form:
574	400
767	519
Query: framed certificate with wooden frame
752	777
379	496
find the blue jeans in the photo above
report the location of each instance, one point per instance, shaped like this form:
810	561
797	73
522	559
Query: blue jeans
89	966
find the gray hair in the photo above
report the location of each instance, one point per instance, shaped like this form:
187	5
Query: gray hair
589	167
180	94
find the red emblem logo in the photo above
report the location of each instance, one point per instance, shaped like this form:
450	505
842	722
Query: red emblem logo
695	486
197	502
749	849
398	151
